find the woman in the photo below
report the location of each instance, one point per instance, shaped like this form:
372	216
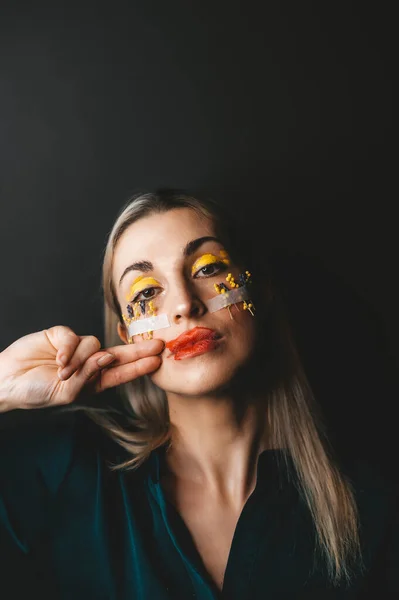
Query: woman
210	476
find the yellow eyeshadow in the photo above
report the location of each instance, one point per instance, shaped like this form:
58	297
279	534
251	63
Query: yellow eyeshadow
139	284
224	256
208	259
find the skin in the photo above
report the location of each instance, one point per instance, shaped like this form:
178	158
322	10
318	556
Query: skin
217	436
217	433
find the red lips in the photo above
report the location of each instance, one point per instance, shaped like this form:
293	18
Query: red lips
191	337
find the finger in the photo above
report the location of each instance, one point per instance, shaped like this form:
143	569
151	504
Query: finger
120	374
97	379
125	353
64	340
88	345
67	349
85	375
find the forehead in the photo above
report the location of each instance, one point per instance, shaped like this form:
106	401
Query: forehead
158	237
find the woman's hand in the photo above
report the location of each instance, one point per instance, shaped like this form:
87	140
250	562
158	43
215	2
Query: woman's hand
53	366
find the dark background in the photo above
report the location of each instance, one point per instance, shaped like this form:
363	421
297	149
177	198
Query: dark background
285	109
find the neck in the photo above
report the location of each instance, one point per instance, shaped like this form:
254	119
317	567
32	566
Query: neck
215	444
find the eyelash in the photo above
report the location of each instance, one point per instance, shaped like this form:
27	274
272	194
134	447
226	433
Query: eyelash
222	268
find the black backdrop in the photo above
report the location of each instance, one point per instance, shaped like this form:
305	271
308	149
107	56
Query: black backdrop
284	108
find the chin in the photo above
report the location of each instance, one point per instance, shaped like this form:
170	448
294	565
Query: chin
193	377
199	388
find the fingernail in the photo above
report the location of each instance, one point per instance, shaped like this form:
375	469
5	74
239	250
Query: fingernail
105	360
62	359
63	373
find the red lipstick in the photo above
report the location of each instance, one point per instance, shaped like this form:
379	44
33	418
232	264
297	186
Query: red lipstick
193	342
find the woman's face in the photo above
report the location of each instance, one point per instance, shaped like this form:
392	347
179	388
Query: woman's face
180	290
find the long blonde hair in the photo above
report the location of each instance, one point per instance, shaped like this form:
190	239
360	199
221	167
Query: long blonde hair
293	415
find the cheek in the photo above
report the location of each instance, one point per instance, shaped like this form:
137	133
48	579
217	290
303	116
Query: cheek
244	337
241	324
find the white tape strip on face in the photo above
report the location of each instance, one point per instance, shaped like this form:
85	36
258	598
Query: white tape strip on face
149	324
216	303
230	297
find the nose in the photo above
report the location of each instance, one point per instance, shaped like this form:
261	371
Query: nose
186	305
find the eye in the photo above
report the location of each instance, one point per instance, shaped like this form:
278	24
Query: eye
208	271
145	298
219	266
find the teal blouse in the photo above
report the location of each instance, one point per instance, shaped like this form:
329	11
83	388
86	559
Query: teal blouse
70	528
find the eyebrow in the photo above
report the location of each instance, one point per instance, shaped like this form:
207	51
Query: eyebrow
146	266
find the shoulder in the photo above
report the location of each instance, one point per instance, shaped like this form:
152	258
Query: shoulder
376	494
36	450
36	444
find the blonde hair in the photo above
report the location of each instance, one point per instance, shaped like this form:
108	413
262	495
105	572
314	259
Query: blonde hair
293	415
